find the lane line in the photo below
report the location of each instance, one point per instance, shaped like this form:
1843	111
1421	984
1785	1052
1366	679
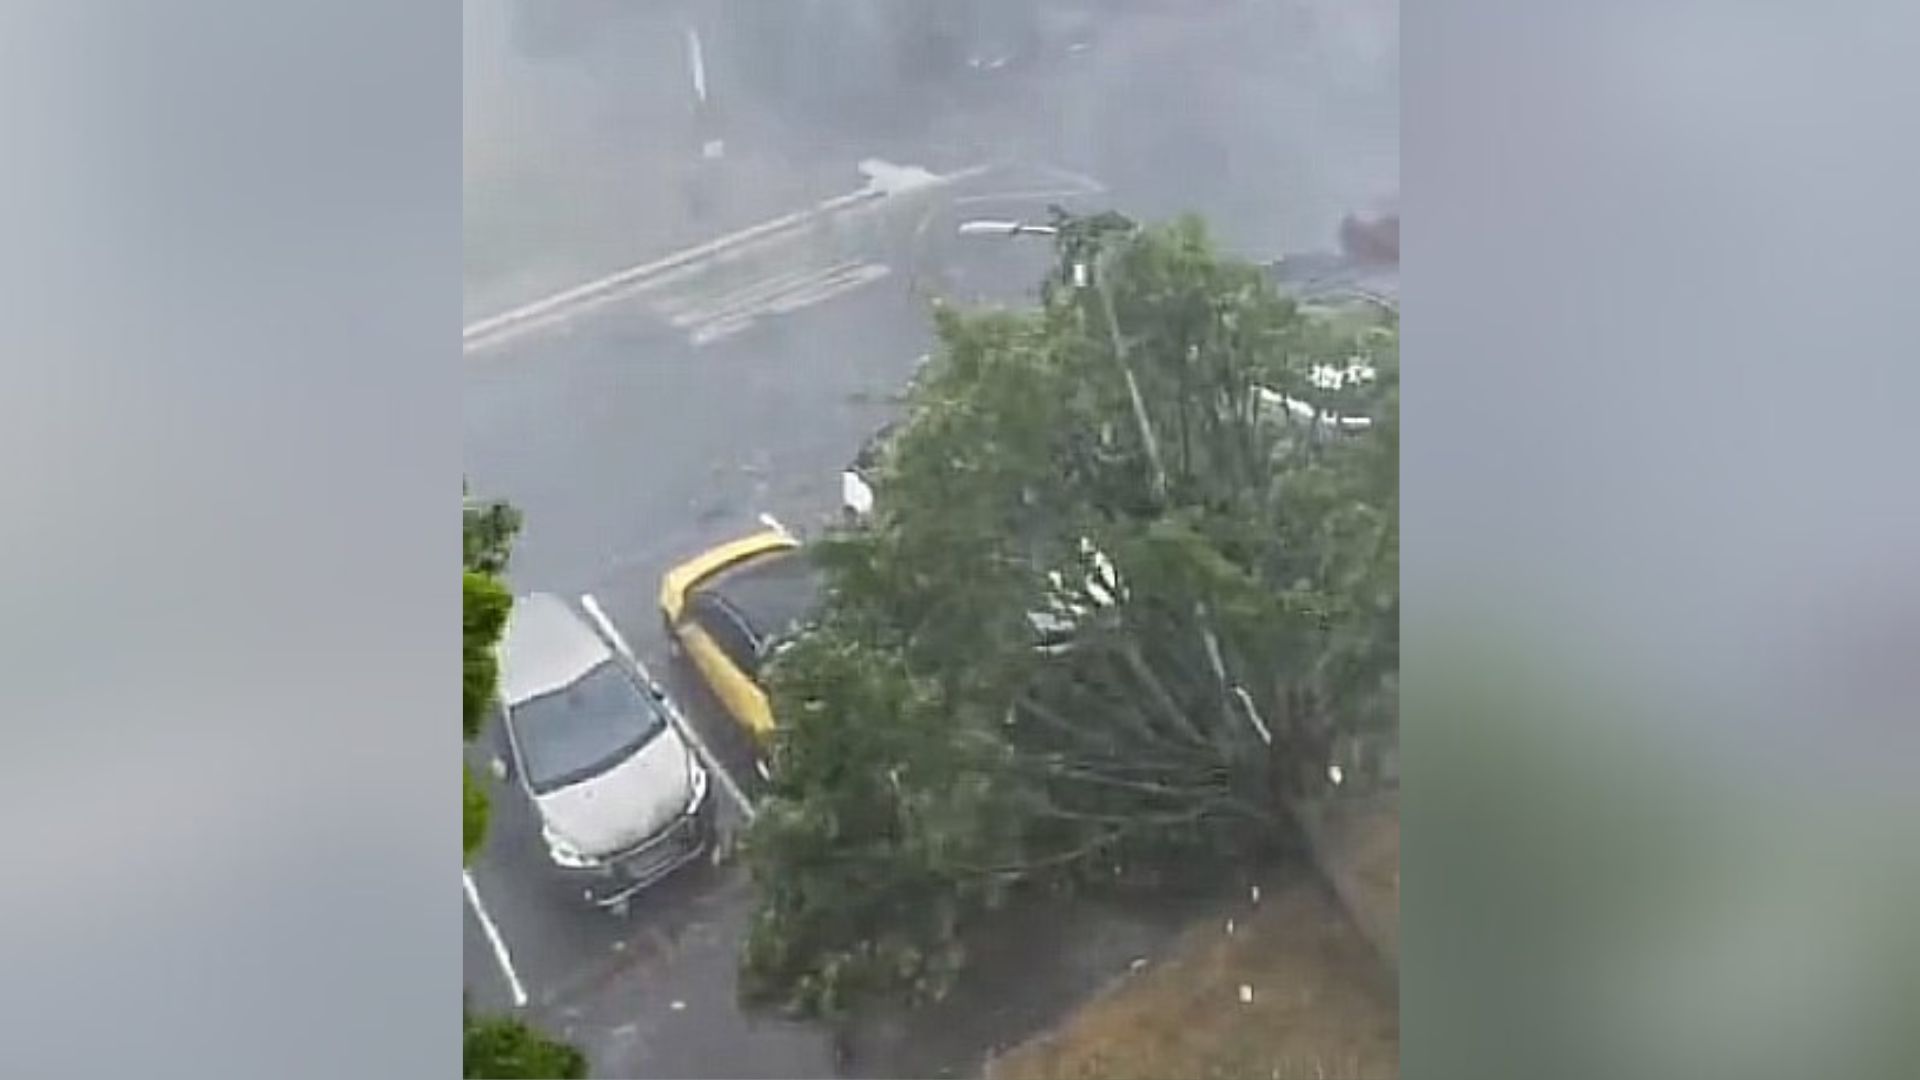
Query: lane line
697	65
535	323
634	274
882	184
790	293
718	330
749	297
493	938
700	747
822	291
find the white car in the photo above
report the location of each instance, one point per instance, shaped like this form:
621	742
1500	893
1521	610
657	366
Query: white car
621	799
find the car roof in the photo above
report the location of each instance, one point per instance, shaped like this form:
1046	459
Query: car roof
774	591
546	646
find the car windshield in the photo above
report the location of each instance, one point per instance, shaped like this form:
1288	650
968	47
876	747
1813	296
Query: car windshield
583	729
773	596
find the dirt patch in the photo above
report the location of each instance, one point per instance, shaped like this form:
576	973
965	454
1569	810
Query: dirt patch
1358	844
1318	1003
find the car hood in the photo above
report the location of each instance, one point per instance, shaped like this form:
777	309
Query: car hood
626	804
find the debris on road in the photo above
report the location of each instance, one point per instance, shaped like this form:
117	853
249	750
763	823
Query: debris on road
1246	994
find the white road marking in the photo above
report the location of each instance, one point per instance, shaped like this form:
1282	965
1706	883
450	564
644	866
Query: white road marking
713	320
820	292
534	323
494	939
697	65
700	747
718	330
884	181
693	311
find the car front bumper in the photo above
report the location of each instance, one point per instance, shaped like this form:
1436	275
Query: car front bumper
618	877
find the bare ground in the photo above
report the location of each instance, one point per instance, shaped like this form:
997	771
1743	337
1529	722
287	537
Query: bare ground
1323	993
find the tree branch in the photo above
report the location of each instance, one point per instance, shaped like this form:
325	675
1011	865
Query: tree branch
1084	773
1121	706
1130	652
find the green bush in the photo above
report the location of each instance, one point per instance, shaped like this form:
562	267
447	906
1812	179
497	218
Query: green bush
484	605
502	1048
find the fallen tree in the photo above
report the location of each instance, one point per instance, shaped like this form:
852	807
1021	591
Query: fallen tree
1129	586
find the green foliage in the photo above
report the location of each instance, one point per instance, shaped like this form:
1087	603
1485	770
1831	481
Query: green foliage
931	757
873	836
502	1048
487	530
484	606
473	814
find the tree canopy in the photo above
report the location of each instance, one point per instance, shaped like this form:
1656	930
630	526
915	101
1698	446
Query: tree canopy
1130	583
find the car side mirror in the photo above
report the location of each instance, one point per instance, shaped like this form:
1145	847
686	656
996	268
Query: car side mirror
656	691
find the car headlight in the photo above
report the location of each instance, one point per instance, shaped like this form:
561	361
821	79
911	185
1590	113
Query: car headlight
565	854
699	793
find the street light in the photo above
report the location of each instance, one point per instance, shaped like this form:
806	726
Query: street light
996	227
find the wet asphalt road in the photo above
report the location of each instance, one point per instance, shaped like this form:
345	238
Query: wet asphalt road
629	447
